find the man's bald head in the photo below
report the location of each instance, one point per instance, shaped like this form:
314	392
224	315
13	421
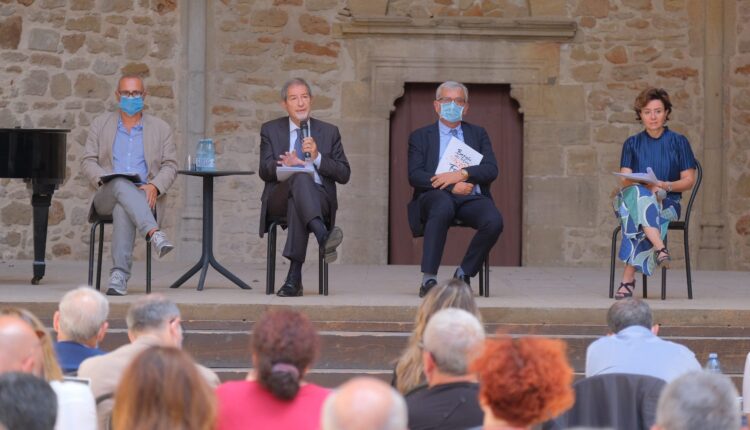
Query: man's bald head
365	404
20	349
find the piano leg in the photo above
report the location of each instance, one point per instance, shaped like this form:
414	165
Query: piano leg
40	201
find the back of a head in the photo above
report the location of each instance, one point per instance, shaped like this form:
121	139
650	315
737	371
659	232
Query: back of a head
284	345
163	389
698	401
524	381
629	312
26	402
16	338
452	336
453	293
151	313
82	313
364	403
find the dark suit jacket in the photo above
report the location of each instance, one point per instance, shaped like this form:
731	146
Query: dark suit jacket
612	400
424	154
334	167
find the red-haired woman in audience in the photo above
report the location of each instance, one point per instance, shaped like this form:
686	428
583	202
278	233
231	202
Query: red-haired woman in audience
275	395
523	382
163	389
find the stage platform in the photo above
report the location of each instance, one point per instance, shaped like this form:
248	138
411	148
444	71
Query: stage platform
366	319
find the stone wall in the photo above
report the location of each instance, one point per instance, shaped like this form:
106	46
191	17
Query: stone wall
575	67
60	61
737	155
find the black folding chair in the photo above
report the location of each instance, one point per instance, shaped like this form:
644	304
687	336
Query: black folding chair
98	222
674	225
273	223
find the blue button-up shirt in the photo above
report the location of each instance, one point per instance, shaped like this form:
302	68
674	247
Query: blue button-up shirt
636	350
128	155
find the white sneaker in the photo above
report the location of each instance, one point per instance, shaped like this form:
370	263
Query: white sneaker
161	244
118	284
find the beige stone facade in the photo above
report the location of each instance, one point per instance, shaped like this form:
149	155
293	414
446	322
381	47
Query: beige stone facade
574	66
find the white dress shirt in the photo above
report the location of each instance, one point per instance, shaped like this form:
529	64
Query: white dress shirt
636	350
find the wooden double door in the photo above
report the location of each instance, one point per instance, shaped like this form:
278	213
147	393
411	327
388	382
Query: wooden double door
491	107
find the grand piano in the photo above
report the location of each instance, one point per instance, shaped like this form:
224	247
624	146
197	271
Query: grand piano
38	157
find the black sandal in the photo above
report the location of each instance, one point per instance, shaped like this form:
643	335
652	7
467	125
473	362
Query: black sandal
662	257
629	287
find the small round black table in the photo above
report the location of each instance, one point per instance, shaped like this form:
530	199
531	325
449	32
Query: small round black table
207	255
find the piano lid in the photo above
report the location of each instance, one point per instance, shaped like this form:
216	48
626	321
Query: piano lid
37	154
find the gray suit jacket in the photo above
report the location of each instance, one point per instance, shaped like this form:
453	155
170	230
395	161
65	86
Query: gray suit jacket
158	147
105	372
334	167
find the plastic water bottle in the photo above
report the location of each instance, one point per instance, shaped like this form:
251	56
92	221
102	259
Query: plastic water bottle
205	156
713	365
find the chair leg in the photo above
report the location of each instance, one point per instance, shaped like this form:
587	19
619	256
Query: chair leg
687	265
664	278
612	263
645	286
486	275
271	259
101	252
148	267
92	239
481	281
322	275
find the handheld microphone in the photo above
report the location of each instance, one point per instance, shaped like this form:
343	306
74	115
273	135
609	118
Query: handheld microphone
305	133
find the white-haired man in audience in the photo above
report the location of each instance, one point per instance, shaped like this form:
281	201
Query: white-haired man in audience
698	401
20	347
451	398
364	403
152	320
81	324
634	347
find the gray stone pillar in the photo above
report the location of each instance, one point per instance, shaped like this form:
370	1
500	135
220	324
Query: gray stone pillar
194	124
713	234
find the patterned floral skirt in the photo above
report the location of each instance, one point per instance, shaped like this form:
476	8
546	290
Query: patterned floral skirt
637	207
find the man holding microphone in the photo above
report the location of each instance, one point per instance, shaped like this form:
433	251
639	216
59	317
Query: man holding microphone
308	201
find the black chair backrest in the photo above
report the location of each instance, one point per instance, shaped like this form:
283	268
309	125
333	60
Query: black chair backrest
694	191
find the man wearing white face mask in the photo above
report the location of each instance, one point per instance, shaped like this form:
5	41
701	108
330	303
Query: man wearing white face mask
130	141
462	195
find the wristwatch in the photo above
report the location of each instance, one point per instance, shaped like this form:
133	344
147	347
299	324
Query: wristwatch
465	174
669	187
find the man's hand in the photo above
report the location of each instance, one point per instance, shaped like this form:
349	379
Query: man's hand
290	159
151	193
308	145
443	180
463	188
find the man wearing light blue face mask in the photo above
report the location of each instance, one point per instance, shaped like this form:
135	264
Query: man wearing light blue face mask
462	195
130	141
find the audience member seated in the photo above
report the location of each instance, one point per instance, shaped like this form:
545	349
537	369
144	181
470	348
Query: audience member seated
152	320
75	403
364	403
698	401
26	402
523	381
450	400
634	347
162	389
275	395
80	323
454	293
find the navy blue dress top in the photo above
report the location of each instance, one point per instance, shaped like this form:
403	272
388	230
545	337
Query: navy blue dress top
667	156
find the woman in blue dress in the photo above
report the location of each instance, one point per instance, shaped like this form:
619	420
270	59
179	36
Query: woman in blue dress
645	210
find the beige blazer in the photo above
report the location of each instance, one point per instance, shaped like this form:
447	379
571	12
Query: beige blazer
158	148
105	372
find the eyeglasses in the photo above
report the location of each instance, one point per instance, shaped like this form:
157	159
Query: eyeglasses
459	100
130	94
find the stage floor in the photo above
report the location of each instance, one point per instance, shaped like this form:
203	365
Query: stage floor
518	288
